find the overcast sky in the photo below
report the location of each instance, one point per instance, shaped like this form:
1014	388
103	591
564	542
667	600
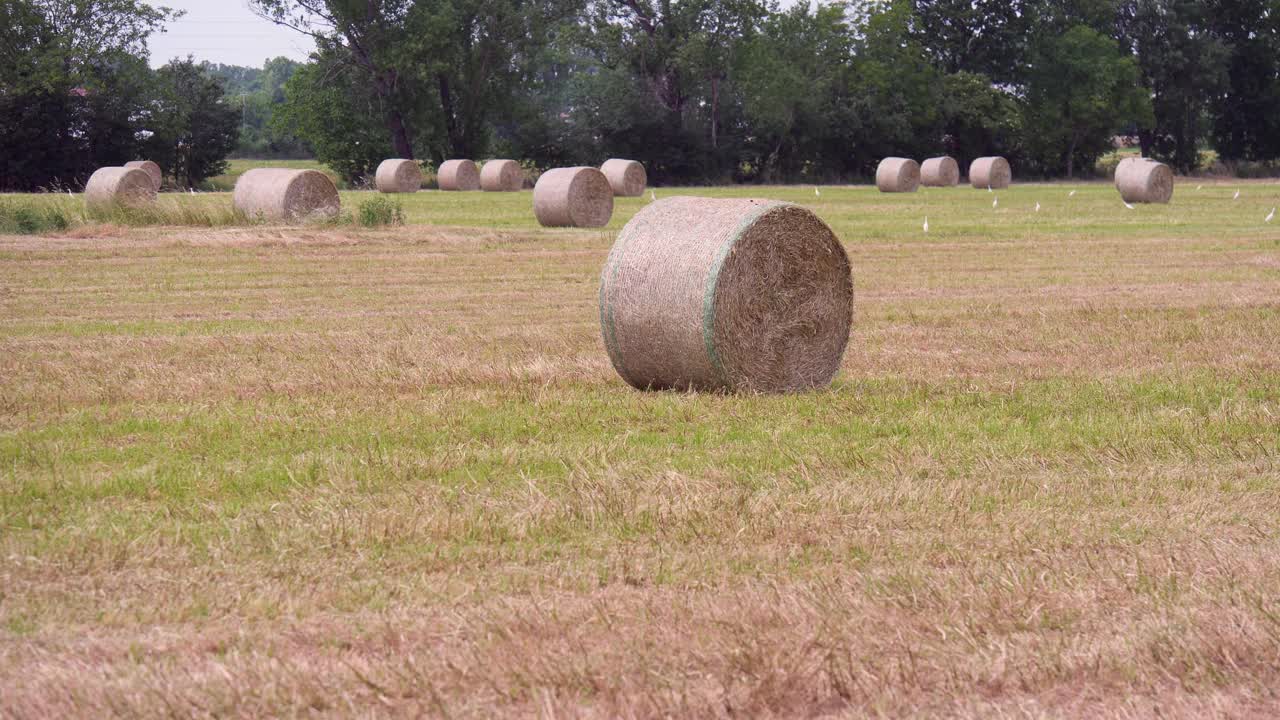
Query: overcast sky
224	31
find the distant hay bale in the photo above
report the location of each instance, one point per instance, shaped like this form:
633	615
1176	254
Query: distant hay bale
152	169
627	177
284	195
940	172
1142	180
112	187
573	197
737	295
898	175
501	176
458	175
990	172
398	176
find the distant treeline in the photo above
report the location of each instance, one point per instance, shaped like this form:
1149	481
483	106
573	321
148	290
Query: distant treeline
715	90
698	90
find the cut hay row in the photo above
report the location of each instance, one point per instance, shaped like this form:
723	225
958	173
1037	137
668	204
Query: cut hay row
501	176
940	172
151	168
898	175
737	295
398	176
573	197
627	177
1142	180
119	187
458	176
284	195
990	172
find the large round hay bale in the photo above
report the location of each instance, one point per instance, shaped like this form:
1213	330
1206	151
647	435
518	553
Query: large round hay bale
990	172
627	177
898	175
458	175
940	172
740	295
284	195
501	176
112	187
573	197
1141	180
398	176
151	168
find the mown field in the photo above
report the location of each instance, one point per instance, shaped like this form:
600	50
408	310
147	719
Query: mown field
329	471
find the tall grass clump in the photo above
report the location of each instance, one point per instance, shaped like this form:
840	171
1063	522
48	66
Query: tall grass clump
17	218
175	209
378	211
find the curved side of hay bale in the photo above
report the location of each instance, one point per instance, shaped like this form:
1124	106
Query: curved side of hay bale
111	187
398	176
285	195
990	172
501	176
1142	180
627	177
151	168
898	175
458	176
736	295
940	172
573	197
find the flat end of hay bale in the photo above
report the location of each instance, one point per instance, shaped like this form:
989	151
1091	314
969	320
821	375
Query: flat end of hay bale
286	195
726	295
898	175
458	176
398	176
573	197
119	187
501	176
151	168
628	178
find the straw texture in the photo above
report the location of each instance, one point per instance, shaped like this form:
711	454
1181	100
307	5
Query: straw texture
727	295
990	172
627	177
458	175
398	176
1141	180
151	168
501	176
940	172
284	195
898	175
110	187
573	197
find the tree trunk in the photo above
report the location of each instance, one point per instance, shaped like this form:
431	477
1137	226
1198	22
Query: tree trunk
715	111
399	135
1071	159
450	121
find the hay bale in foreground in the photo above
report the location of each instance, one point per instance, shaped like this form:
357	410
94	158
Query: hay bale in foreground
151	168
627	177
458	176
738	295
940	172
1142	180
113	187
284	195
398	176
898	175
501	176
573	197
990	172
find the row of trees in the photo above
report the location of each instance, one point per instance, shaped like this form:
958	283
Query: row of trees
745	89
76	94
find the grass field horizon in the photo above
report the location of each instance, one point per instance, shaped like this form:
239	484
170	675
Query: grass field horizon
262	470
